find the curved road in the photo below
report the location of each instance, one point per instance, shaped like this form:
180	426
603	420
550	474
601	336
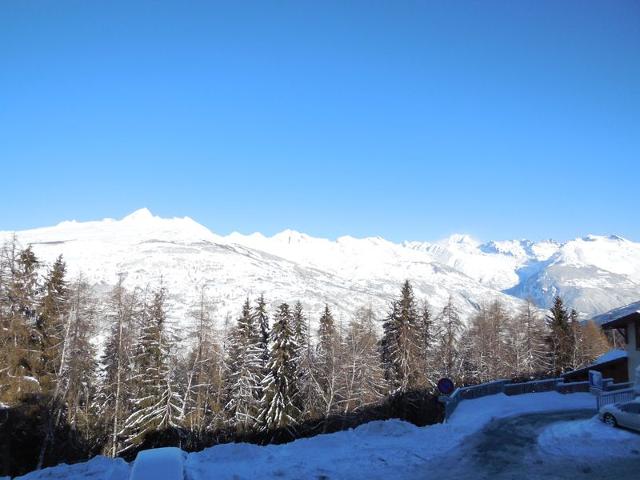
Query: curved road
507	449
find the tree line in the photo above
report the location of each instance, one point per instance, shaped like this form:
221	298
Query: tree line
266	371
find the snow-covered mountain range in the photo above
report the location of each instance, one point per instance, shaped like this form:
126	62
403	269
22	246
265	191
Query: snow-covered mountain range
594	274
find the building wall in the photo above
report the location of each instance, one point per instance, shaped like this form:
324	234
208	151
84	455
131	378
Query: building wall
632	349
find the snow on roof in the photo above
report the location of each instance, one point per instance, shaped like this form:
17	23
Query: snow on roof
611	355
617	313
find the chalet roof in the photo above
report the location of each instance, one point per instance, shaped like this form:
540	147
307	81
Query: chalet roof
622	321
605	360
613	354
619	317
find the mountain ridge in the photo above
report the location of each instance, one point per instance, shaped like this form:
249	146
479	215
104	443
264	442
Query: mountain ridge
594	273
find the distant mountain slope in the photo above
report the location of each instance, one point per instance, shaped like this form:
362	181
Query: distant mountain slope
595	273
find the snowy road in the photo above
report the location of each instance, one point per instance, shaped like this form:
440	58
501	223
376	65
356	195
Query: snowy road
508	449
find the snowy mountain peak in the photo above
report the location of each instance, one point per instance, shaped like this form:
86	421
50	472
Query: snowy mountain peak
461	239
603	238
291	236
142	214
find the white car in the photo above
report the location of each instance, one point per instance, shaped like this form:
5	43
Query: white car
622	414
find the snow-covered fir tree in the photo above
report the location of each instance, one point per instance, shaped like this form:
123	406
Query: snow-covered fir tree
402	343
326	369
245	371
560	338
304	360
157	403
50	324
20	336
262	321
278	403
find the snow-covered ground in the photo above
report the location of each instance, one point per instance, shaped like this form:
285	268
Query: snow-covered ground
587	439
381	449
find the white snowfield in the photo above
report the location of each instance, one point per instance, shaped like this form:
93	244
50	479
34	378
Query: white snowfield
594	273
376	450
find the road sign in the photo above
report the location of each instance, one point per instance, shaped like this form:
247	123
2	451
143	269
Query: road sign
445	385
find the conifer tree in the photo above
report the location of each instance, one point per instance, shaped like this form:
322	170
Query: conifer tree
50	324
68	355
21	339
426	339
326	363
278	403
402	343
245	374
303	361
262	320
560	338
157	405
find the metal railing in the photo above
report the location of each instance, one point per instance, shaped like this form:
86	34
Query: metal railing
531	387
468	393
612	392
609	392
615	396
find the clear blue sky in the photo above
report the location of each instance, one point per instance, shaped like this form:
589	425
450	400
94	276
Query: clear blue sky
409	120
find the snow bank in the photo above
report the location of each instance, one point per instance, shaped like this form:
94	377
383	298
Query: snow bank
382	449
376	450
588	439
98	468
160	463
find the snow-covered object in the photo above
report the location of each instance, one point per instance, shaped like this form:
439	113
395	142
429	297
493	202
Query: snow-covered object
98	468
594	273
613	354
159	464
